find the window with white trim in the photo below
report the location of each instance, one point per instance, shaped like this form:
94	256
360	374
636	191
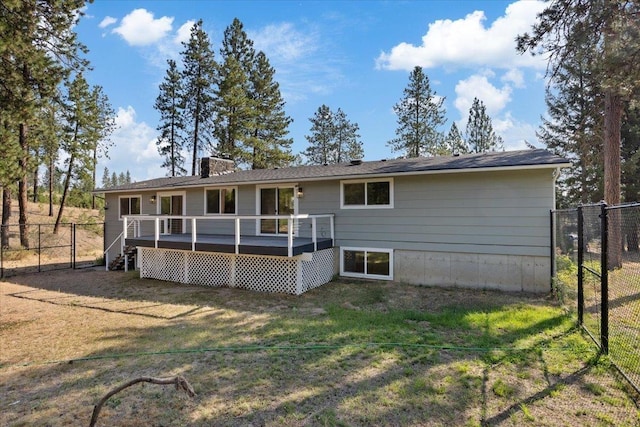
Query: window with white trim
220	201
366	263
130	205
374	193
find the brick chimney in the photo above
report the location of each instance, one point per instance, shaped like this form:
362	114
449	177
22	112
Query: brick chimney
210	166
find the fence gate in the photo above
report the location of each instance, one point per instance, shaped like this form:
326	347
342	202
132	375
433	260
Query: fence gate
596	266
73	246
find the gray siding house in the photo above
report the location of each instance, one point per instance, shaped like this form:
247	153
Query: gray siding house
478	220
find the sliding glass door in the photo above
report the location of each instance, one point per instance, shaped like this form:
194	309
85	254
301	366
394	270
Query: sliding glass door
276	201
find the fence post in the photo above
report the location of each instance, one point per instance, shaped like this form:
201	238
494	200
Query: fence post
74	246
39	245
580	267
604	279
552	247
2	253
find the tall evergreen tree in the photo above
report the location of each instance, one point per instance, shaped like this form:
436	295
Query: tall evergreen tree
321	140
89	119
267	144
566	28
170	103
572	125
480	135
106	178
333	138
454	143
38	47
420	113
199	83
347	144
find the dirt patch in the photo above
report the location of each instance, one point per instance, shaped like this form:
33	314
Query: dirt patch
347	353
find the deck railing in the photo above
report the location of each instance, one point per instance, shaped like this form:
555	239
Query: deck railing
132	226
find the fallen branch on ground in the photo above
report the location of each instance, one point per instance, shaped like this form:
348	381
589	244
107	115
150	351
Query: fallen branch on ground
180	382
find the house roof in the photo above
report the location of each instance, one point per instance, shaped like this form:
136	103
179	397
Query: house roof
524	159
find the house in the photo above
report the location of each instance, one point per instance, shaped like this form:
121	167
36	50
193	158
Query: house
477	220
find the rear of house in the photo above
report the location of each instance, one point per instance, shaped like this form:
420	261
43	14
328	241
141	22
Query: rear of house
477	220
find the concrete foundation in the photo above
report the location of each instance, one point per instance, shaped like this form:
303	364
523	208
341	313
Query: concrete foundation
516	273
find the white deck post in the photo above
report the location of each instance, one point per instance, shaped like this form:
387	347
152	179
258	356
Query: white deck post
156	232
331	228
193	234
290	236
237	221
313	234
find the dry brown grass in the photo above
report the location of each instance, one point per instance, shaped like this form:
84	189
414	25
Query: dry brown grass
115	327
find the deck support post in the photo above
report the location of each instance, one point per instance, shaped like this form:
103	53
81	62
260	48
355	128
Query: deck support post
193	234
290	236
237	236
313	234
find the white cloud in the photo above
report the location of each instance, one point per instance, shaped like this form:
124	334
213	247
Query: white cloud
479	86
283	42
139	28
468	42
515	77
108	20
134	148
515	133
184	32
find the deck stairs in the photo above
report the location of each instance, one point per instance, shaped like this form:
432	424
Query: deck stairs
118	263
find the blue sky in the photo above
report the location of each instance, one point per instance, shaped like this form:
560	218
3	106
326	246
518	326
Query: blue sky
354	55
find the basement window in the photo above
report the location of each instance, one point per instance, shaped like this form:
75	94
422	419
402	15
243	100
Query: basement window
366	263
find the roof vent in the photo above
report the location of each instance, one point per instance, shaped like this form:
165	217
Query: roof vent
456	154
356	162
383	160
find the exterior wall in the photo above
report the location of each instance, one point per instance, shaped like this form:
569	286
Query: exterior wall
477	229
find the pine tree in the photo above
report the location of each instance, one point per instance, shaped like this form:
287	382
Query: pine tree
333	138
170	103
321	140
573	123
454	143
268	144
199	82
88	120
127	177
38	47
106	178
480	135
114	179
611	29
420	113
347	144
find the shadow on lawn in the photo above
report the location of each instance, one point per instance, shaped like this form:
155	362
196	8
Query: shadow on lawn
297	360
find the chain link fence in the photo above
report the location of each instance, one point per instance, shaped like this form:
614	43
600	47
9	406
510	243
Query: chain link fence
72	246
596	274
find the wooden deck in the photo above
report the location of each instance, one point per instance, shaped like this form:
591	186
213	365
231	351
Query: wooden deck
252	245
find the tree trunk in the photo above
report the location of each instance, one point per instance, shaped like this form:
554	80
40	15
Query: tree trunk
22	188
35	185
65	190
612	124
51	176
6	215
94	165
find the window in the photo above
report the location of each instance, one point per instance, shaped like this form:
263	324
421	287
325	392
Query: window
371	263
130	205
220	201
367	194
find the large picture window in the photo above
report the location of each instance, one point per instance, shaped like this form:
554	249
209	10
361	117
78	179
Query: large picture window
367	194
220	201
130	205
367	263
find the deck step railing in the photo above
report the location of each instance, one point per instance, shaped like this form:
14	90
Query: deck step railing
132	226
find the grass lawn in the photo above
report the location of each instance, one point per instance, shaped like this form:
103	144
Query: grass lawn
347	353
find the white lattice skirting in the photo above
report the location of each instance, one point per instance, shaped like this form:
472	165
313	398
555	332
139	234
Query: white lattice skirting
255	272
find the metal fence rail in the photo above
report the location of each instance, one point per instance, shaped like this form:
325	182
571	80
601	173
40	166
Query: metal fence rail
596	269
69	248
